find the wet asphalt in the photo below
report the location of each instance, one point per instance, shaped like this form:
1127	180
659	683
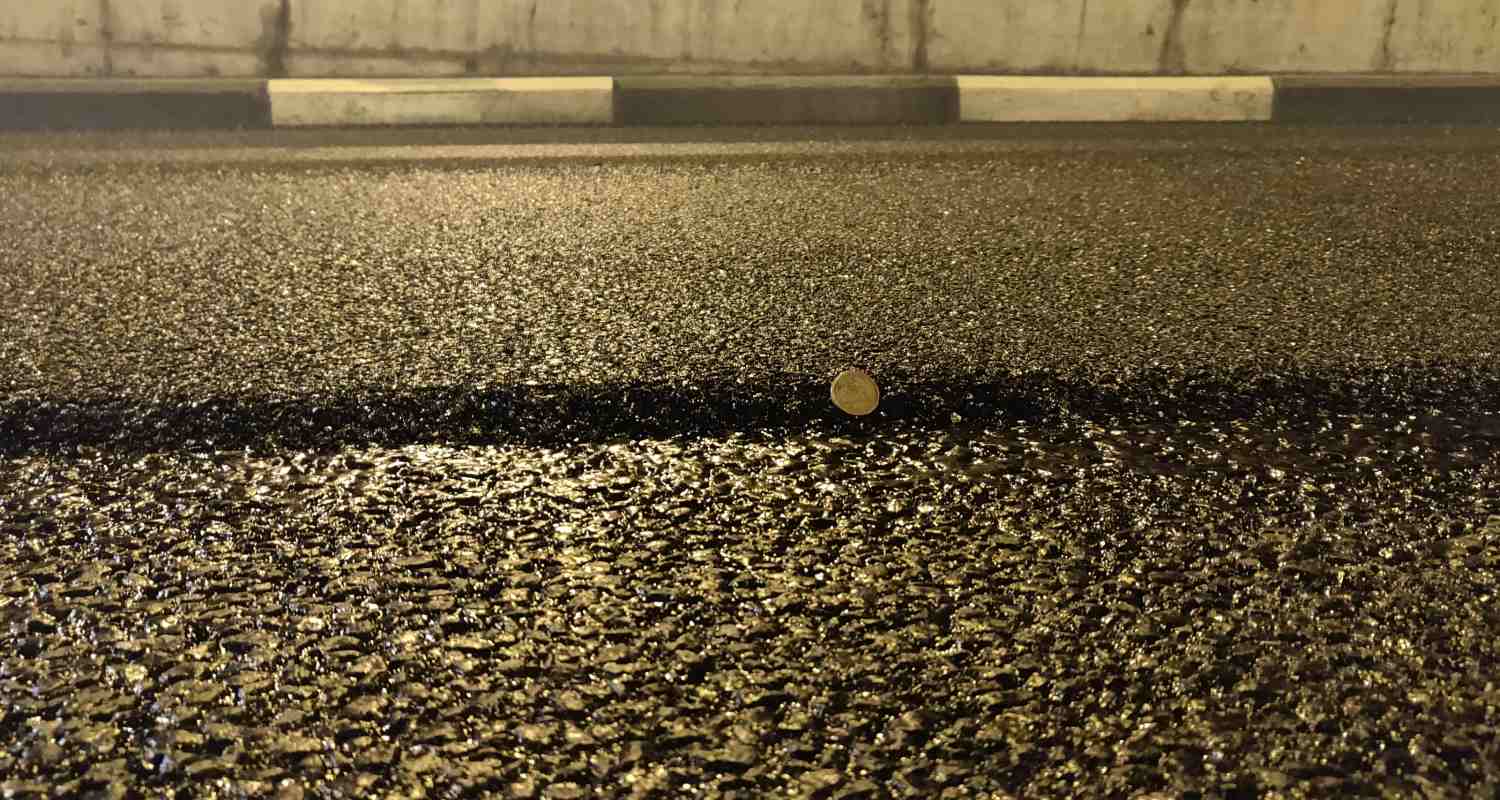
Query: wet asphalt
470	462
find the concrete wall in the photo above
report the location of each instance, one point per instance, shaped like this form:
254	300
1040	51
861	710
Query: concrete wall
190	38
1173	37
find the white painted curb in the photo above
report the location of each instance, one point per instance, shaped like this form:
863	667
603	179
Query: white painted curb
453	101
1038	99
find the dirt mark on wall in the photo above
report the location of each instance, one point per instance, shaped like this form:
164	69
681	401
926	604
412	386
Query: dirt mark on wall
1083	24
1385	59
531	26
275	38
877	14
107	38
921	30
1172	60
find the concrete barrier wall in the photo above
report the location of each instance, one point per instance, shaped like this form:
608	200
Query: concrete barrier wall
1206	37
317	38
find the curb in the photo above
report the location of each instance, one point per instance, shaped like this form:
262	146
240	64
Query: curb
1376	99
64	104
89	104
1038	99
454	101
849	100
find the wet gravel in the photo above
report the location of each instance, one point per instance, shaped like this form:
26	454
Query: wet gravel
521	478
1059	609
145	304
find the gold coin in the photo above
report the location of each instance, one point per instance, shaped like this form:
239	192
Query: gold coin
855	392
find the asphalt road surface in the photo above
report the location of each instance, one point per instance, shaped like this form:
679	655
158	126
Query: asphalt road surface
471	462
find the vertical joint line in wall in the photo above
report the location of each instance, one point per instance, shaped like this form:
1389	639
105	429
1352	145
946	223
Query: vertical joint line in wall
921	11
531	27
1385	60
883	31
471	38
281	40
1083	22
107	37
1172	60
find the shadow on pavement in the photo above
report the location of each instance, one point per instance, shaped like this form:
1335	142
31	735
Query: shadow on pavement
562	413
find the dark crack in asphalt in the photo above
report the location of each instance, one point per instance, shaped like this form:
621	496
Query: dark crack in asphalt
421	480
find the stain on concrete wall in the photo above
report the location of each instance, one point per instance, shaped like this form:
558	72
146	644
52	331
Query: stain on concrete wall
1016	37
1083	29
1172	59
275	38
1446	35
1385	59
921	32
877	15
106	38
52	39
171	38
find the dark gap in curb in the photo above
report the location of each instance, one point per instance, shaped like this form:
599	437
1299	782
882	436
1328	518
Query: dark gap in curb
680	101
1371	101
248	108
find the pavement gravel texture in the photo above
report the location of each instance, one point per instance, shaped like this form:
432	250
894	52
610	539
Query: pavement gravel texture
442	464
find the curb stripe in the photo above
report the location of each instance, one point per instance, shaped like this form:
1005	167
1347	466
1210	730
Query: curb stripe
1044	99
61	104
772	100
1379	99
115	105
455	101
